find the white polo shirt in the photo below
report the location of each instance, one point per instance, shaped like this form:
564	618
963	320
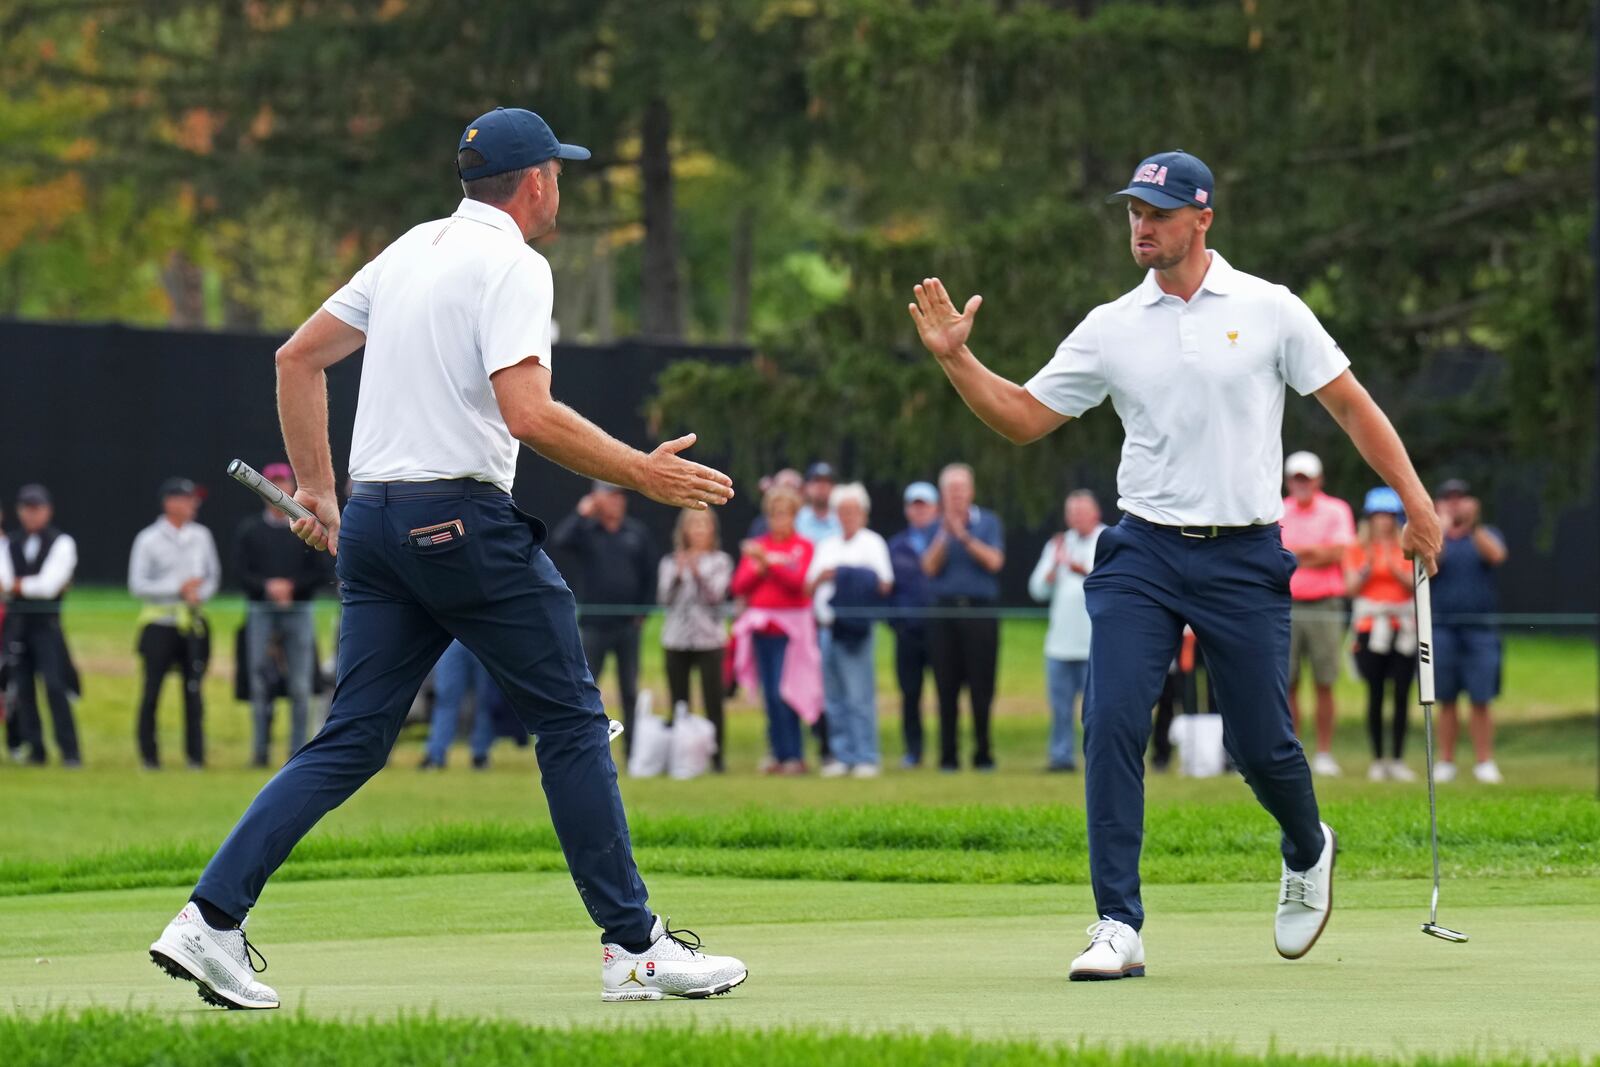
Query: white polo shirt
1199	388
443	308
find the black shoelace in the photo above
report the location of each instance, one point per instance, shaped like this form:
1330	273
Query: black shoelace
682	936
251	954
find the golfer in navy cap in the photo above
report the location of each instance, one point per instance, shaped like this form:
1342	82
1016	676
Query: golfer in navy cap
455	317
1195	361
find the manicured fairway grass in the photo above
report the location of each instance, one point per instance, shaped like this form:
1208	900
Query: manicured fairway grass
982	961
872	913
102	1038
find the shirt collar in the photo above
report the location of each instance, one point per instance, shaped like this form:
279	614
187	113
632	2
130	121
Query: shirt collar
489	215
1218	280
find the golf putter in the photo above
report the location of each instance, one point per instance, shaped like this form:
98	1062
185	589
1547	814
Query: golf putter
1424	605
251	479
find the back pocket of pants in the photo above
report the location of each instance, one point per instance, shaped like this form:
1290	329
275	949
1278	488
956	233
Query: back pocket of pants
441	566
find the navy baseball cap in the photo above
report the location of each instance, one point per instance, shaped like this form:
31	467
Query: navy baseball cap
1169	180
510	138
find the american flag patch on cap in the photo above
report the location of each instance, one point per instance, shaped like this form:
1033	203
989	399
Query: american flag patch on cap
1201	196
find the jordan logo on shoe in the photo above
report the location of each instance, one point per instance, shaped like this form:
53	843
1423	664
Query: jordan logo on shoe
633	976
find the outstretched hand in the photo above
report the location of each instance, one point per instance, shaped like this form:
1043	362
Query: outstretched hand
943	329
671	479
321	533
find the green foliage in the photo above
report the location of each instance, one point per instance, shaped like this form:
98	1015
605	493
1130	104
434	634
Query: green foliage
1421	173
105	1038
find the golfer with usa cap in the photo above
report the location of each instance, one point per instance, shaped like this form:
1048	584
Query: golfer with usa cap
455	317
1195	361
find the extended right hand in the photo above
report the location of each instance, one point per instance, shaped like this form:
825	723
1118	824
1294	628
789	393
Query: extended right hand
322	532
943	329
671	479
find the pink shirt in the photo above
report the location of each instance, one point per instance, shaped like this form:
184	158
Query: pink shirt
1325	521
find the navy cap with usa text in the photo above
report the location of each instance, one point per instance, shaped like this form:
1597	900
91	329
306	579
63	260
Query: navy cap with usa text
1169	180
511	138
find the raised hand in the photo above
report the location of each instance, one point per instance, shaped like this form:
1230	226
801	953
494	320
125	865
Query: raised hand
942	328
671	479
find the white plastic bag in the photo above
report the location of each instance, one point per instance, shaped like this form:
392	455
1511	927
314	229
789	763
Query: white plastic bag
652	740
1198	739
693	743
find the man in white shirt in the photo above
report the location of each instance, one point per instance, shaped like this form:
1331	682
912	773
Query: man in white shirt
1195	361
36	566
174	569
1058	578
455	317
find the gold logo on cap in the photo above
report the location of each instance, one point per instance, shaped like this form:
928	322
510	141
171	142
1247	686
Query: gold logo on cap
472	133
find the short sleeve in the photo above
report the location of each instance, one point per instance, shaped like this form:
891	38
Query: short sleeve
514	321
352	305
1073	381
1308	358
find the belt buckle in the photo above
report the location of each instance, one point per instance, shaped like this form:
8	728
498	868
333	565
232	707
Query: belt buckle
1201	533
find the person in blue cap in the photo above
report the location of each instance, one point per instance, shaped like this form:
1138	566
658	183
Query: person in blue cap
455	318
1381	585
1195	360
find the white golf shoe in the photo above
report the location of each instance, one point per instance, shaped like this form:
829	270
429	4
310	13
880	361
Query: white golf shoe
673	966
221	963
1114	951
1305	899
1444	771
1323	765
1399	772
1488	772
1378	772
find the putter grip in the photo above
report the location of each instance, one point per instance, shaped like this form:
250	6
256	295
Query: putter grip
251	479
1424	604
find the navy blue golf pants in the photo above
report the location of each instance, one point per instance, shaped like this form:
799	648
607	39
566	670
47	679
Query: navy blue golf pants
406	594
1233	590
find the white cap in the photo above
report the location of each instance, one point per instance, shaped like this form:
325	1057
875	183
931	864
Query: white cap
1302	463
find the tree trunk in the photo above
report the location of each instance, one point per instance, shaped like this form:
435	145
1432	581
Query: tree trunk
605	275
181	278
742	271
660	314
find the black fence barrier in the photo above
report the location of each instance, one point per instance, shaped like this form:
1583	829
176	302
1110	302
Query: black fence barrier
102	414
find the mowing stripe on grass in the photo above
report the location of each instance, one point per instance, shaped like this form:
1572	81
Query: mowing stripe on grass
1501	836
110	1039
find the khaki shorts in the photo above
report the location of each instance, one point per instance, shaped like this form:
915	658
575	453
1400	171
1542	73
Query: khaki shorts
1316	632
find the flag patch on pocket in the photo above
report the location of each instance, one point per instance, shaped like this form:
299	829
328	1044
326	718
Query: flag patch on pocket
438	534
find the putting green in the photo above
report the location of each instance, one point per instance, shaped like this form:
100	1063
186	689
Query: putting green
989	961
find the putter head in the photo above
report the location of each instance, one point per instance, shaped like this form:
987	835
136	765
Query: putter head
1443	933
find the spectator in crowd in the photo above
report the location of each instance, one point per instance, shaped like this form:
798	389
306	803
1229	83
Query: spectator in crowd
1466	640
1380	580
36	567
962	563
787	477
816	521
776	636
911	600
1058	579
692	583
850	572
617	569
174	569
1318	529
280	574
458	673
